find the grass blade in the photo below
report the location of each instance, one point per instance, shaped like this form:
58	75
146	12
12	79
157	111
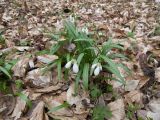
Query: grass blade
64	105
85	75
59	69
5	72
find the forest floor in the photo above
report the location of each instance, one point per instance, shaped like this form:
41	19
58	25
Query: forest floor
25	29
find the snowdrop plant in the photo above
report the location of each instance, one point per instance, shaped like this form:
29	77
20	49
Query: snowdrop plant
87	59
75	65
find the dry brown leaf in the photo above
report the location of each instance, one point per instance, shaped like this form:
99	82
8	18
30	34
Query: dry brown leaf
117	108
38	78
20	67
134	96
131	85
77	100
47	58
23	48
52	102
157	74
20	107
37	113
49	89
154	105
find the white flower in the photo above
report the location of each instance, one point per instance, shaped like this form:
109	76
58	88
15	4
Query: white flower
97	71
94	65
97	68
75	67
100	66
85	30
68	65
71	19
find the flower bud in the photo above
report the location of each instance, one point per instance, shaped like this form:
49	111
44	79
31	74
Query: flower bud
96	71
94	65
75	67
68	65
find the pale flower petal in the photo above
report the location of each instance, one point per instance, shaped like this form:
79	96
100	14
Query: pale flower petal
96	71
75	68
85	30
94	65
100	66
71	19
68	65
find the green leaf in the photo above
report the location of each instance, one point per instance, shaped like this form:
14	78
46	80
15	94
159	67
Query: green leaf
71	30
49	66
79	59
125	68
131	35
64	105
101	112
85	75
59	69
5	72
19	84
54	48
25	98
117	55
84	40
77	81
42	52
112	67
95	92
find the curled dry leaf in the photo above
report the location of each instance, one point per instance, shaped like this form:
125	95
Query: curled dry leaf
37	113
23	48
20	67
153	116
134	96
49	89
38	78
47	58
154	106
55	101
157	74
77	100
131	85
117	108
20	107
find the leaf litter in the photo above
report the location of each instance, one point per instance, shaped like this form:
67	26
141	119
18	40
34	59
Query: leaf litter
133	24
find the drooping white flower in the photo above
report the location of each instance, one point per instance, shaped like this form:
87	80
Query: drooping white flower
94	66
71	19
75	67
68	65
100	66
85	30
97	71
97	67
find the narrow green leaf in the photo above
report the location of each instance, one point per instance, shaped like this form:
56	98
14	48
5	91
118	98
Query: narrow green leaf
77	81
54	48
112	67
5	72
59	69
64	105
71	29
85	75
25	98
79	59
117	55
125	68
